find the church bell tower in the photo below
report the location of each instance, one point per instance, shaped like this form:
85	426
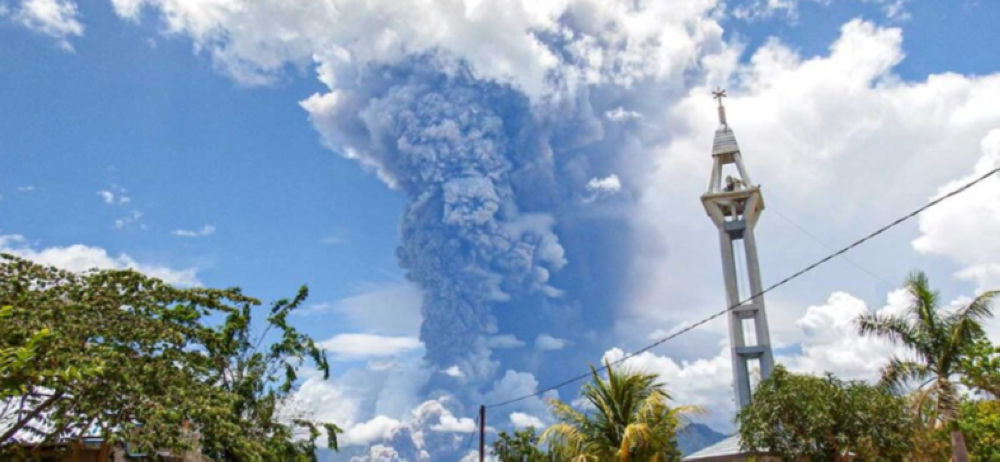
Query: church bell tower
735	203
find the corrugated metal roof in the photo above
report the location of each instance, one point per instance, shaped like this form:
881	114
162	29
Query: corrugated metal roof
725	449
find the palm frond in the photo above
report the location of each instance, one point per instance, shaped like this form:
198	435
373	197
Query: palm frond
631	419
897	373
962	334
565	412
919	404
652	405
636	435
897	330
981	307
964	329
564	440
925	300
690	410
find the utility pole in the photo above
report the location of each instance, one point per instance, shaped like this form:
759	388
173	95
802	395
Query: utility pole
482	433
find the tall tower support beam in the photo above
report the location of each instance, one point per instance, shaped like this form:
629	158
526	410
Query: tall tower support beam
735	204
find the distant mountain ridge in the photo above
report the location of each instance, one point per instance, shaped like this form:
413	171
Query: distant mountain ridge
695	437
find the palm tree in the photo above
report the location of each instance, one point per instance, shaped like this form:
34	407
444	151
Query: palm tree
938	342
630	420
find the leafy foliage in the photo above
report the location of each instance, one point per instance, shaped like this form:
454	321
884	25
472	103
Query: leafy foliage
261	380
631	421
981	368
801	417
20	361
931	442
939	341
981	424
522	446
109	354
126	357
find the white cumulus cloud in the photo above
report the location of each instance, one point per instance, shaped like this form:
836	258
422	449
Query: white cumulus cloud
546	342
620	114
522	420
754	10
821	135
59	19
608	185
108	196
363	346
964	228
115	195
80	257
828	342
602	41
454	371
703	382
504	341
206	230
392	308
450	423
831	342
366	433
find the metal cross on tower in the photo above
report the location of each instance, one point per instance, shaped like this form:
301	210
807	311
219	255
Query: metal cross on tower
735	203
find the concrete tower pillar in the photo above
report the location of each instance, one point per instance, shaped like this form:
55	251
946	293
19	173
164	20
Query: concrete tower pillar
735	203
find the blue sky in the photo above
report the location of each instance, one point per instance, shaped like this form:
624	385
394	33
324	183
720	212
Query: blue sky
135	110
939	36
171	134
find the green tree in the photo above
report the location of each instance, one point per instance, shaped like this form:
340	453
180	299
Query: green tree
824	419
931	443
126	357
980	422
261	380
939	341
981	368
631	420
109	355
522	446
20	361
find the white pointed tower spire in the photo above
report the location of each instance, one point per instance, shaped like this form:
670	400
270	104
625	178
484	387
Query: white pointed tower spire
735	203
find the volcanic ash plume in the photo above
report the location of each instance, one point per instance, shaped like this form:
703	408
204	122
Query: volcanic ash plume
447	145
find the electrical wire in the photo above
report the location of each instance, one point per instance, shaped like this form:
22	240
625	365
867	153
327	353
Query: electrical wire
759	294
468	444
828	247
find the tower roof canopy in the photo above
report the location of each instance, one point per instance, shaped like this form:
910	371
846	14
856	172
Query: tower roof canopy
725	139
724	142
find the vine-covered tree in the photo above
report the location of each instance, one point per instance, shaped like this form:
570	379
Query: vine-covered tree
631	420
128	358
938	341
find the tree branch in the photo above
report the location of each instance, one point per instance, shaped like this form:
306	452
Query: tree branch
31	416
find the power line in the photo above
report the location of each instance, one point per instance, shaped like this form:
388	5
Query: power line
468	444
828	247
759	294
